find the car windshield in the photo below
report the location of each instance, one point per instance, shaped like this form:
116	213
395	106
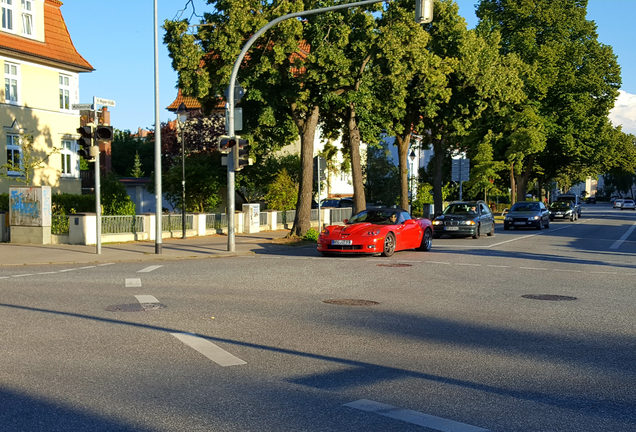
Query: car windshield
525	206
560	205
460	209
378	216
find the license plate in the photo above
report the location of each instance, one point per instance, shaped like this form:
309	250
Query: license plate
452	228
520	223
341	242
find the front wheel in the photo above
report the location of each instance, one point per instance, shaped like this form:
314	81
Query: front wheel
389	245
492	230
427	240
540	226
477	232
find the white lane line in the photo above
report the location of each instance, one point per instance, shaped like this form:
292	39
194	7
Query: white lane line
5	277
215	353
567	270
498	266
437	262
149	269
144	298
45	273
103	265
511	240
413	417
469	264
133	282
620	241
22	275
66	270
86	267
533	268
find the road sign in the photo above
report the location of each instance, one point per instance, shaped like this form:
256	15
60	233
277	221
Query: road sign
104	102
460	170
82	106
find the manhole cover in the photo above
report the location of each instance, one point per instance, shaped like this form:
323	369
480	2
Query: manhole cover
549	297
351	302
395	265
135	307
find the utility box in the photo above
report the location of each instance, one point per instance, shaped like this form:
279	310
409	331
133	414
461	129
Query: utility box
30	214
251	218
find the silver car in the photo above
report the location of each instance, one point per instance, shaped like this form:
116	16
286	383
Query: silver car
527	214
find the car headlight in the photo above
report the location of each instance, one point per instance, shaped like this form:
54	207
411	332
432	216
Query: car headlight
536	217
470	222
438	222
324	232
372	233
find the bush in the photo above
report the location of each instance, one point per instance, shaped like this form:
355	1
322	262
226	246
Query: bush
311	235
4	202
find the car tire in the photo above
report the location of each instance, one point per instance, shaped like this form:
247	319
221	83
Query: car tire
427	240
389	245
492	230
540	224
547	224
477	232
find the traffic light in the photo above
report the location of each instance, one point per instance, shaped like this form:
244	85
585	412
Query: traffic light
241	155
103	133
226	143
85	141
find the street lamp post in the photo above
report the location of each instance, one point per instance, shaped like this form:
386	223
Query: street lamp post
412	157
182	116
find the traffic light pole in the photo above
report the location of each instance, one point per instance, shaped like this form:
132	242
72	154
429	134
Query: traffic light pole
230	101
98	201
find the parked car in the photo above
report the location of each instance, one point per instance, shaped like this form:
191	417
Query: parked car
337	202
527	214
618	203
563	210
376	231
590	200
628	204
465	218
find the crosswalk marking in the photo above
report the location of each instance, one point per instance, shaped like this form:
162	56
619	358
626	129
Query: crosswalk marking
215	353
143	298
149	269
413	417
133	282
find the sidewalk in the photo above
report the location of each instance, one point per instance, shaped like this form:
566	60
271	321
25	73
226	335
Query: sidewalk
171	249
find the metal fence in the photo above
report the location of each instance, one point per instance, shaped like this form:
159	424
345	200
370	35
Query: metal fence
216	221
340	214
262	218
172	222
122	224
285	217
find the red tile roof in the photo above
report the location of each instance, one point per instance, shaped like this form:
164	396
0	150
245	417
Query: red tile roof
57	48
190	102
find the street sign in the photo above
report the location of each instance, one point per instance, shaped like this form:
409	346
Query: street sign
460	170
104	102
82	106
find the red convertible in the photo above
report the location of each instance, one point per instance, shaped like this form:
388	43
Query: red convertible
376	231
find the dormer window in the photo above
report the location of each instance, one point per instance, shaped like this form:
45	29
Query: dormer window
7	14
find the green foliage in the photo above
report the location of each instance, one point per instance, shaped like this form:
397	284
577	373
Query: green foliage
131	155
136	170
311	235
383	178
4	202
282	194
70	203
30	160
253	181
205	178
114	199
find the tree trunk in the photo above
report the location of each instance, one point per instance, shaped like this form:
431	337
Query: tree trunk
307	130
359	199
522	179
403	151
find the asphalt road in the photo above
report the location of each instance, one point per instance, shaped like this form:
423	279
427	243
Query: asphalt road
444	340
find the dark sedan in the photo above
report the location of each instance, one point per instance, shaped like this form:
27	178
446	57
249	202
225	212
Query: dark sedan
465	218
563	210
527	214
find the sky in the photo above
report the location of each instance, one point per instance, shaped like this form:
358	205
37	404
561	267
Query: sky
117	38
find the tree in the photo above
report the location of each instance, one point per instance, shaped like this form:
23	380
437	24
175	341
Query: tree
571	82
136	171
282	193
124	146
114	198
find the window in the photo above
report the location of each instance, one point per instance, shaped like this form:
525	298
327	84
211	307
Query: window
7	14
27	17
11	78
65	92
68	156
14	153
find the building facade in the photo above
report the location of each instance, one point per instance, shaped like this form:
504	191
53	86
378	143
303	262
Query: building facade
41	70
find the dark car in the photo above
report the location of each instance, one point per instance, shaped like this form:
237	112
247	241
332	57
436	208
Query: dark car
465	218
527	214
563	210
338	203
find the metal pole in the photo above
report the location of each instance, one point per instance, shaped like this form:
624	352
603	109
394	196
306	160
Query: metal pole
158	192
98	201
183	212
230	101
318	176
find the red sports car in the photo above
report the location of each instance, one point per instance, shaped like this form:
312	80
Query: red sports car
376	231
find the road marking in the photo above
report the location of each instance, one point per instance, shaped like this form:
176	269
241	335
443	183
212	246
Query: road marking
620	241
469	264
143	298
66	270
498	266
149	269
45	273
437	262
86	267
413	417
567	270
133	282
215	353
105	264
22	275
533	268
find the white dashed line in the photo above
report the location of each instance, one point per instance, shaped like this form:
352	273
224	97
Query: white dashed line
413	417
437	262
149	269
498	266
567	270
533	268
469	264
103	265
624	237
86	267
215	353
66	270
144	298
133	283
22	275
